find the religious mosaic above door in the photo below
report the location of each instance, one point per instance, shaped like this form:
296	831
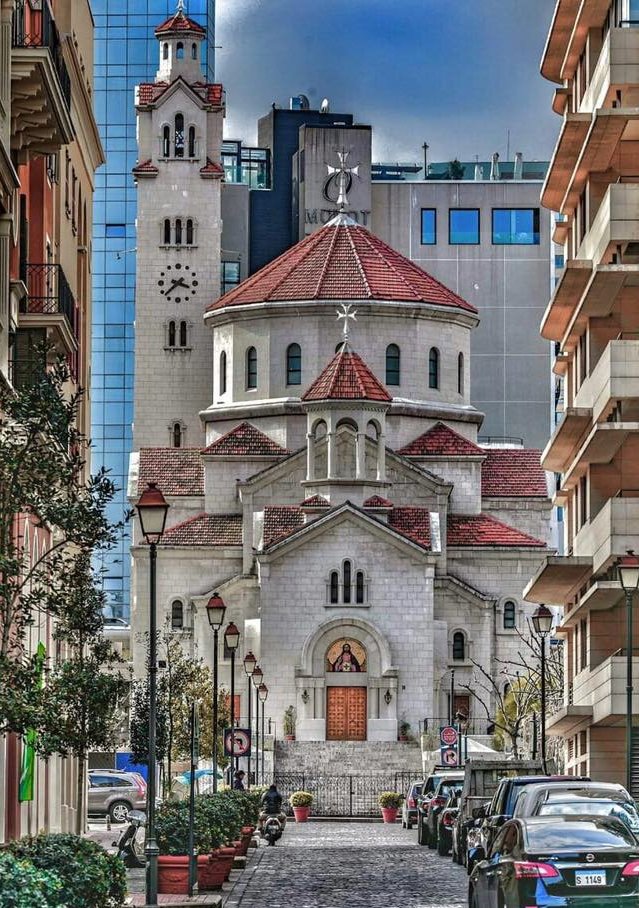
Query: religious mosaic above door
346	656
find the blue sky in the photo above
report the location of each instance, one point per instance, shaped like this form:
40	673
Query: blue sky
457	74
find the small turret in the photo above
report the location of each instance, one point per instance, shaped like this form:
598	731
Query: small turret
180	40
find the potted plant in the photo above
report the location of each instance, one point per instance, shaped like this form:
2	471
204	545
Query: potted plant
289	723
404	731
301	802
172	830
390	802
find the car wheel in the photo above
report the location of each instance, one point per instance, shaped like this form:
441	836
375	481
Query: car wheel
409	825
119	811
421	834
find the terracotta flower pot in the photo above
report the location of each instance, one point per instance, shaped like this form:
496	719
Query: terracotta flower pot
173	873
245	840
227	856
389	814
212	872
301	814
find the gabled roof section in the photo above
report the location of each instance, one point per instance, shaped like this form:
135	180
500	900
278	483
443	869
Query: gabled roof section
146	168
280	521
376	501
179	23
210	93
206	530
342	261
414	523
316	501
179	472
211	169
513	473
347	377
482	530
245	441
441	441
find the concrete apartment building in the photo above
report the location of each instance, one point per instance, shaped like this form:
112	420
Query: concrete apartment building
592	54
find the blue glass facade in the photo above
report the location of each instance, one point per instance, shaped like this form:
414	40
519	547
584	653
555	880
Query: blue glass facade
126	53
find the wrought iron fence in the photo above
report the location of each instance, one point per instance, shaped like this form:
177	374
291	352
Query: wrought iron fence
37	28
347	795
48	292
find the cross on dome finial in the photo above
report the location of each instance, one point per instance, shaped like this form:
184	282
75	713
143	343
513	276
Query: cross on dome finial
346	312
344	179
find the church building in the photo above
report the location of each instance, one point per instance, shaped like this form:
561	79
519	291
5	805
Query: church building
313	433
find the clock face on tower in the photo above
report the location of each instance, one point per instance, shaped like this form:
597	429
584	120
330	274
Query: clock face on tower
178	282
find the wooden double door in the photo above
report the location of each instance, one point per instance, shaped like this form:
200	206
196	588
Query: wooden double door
345	713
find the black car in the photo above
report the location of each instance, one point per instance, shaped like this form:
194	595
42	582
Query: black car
446	822
563	862
428	812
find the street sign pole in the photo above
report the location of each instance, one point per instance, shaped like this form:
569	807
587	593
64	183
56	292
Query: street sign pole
193	887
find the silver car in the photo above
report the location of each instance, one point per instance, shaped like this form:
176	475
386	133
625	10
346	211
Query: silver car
114	793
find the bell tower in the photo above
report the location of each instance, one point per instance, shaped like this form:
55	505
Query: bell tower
178	177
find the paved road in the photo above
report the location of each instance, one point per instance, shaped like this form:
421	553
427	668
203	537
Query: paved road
349	865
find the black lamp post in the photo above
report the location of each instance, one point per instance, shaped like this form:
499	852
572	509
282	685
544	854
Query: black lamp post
232	641
628	568
542	623
215	612
263	694
249	664
257	680
152	508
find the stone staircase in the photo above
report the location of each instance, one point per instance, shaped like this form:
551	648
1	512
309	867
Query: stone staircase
347	757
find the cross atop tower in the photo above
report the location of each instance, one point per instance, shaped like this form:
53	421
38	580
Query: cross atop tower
346	312
344	179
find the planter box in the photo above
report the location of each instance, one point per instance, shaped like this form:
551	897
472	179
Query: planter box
301	814
389	814
173	873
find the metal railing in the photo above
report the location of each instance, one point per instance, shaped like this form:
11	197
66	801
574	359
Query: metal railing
37	28
474	726
48	292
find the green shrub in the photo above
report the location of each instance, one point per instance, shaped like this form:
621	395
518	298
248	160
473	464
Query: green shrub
22	885
301	799
390	799
89	876
246	802
172	829
225	813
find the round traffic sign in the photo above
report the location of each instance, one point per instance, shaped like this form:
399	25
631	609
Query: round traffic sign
449	757
448	736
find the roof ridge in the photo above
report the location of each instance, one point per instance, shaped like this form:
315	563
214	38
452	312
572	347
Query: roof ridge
327	260
369	291
367	239
507	526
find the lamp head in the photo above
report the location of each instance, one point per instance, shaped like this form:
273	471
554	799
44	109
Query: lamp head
249	663
628	568
215	611
262	692
258	674
232	637
152	508
542	621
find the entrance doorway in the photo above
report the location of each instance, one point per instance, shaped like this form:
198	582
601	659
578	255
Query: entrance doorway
345	713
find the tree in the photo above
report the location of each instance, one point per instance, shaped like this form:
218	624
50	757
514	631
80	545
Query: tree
455	170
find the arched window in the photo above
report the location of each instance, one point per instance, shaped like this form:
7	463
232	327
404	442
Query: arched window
460	373
392	364
191	141
510	615
293	364
166	141
194	51
167	231
359	587
178	231
459	646
177	615
251	368
189	232
433	368
347	581
165	51
171	334
223	372
334	588
179	135
179	51
177	435
183	335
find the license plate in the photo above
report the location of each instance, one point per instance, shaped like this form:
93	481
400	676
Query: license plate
590	877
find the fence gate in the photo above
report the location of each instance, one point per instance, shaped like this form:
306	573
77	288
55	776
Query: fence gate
344	796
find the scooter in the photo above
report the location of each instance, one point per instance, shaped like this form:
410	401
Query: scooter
130	850
272	829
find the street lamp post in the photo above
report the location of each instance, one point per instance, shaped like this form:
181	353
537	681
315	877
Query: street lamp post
152	508
257	680
232	641
263	694
215	611
249	664
628	568
542	623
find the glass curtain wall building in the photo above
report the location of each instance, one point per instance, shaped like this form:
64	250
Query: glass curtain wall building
126	53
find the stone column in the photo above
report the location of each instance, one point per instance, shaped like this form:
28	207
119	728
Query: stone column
360	462
331	471
310	456
381	457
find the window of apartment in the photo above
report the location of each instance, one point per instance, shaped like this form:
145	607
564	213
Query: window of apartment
459	646
392	364
463	226
177	614
516	226
583	501
510	615
433	368
294	364
230	276
583	644
251	368
223	372
429	226
460	373
633	12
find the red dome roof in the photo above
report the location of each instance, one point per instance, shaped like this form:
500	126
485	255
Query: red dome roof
342	261
180	23
347	377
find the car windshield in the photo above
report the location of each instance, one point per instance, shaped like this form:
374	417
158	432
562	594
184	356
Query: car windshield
625	812
580	835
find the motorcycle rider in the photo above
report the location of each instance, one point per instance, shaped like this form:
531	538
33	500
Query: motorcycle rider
271	803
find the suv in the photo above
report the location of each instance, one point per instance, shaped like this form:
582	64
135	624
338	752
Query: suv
435	794
409	806
114	793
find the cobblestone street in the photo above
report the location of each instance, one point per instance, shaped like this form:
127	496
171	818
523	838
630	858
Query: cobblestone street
349	865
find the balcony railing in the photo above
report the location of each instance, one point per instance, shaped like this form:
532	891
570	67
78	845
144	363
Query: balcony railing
48	293
37	28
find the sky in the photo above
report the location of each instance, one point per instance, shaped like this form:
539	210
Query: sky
457	74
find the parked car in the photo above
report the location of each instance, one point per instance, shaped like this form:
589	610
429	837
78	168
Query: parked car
409	805
578	798
446	822
558	861
114	793
428	809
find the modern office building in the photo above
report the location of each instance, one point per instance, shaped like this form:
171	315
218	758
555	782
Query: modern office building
125	53
592	56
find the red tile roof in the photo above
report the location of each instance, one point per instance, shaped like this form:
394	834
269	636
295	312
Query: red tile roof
179	23
513	473
245	441
145	167
211	169
414	523
347	377
280	521
206	529
177	471
376	501
440	440
482	530
210	92
316	501
342	261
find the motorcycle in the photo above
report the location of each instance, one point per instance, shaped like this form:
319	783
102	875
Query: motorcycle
130	850
272	829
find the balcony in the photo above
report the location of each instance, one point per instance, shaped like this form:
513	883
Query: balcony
609	534
574	280
558	578
614	227
558	38
40	83
558	451
615	377
603	690
49	304
598	299
601	596
616	70
569	145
